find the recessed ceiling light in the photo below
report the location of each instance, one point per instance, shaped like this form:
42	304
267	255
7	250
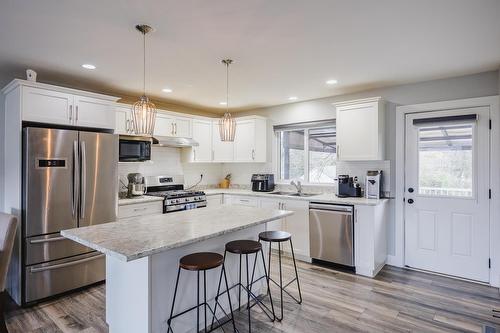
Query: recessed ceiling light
332	81
222	103
88	66
167	90
292	98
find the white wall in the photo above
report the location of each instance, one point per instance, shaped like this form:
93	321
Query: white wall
476	85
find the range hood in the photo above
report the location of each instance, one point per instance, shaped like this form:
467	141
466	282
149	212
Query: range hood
176	142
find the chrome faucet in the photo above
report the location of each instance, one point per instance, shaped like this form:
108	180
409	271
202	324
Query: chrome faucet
298	186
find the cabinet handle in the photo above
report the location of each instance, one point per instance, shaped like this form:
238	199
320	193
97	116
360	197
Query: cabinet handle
140	209
76	114
175	126
127	126
338	152
213	154
194	154
70	112
253	154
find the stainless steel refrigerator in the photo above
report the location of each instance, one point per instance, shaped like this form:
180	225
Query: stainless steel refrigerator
69	181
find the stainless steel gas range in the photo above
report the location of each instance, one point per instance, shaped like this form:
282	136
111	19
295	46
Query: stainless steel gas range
175	197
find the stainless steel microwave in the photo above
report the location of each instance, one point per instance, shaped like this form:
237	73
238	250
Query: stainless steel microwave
134	148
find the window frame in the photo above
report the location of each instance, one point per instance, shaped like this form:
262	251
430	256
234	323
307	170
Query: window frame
277	154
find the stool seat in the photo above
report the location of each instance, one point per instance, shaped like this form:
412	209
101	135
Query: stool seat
201	261
243	246
275	236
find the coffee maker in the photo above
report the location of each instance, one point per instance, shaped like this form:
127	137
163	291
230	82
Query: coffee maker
263	182
348	187
373	188
136	185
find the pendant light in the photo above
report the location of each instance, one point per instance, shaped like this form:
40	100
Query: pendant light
143	111
227	124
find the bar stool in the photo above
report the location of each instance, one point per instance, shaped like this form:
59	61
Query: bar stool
280	237
247	247
201	262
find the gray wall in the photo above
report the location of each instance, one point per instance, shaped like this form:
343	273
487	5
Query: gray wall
2	148
476	85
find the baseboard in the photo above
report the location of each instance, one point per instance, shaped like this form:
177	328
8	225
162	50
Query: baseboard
394	261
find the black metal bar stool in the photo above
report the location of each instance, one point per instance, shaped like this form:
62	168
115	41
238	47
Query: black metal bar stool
247	247
201	262
280	237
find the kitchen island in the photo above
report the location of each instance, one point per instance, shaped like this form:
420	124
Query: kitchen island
142	256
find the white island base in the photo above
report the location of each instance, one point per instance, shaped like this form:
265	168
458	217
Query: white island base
139	293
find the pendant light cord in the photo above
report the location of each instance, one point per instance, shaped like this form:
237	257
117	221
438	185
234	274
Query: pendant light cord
227	87
144	63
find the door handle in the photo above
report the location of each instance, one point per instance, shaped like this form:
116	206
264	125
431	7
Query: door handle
83	187
410	201
411	190
76	172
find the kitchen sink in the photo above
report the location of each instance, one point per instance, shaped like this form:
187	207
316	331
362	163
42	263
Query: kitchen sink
294	194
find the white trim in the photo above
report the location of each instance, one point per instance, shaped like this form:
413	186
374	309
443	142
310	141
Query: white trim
359	101
493	103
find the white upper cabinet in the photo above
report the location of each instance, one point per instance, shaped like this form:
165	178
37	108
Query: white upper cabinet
44	103
361	130
93	112
223	151
202	133
46	106
250	140
170	125
123	119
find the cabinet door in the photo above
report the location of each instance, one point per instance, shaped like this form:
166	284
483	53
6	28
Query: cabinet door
93	112
164	125
223	150
214	200
273	204
357	132
202	133
123	120
244	141
183	127
45	106
298	225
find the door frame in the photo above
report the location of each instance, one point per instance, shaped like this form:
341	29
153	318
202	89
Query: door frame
398	259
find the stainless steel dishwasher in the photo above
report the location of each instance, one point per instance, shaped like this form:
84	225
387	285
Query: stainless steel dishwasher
331	233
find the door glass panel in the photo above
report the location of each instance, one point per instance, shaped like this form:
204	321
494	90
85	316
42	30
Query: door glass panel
322	155
292	155
445	160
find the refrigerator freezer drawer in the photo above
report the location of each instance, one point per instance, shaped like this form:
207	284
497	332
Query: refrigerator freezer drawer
51	247
332	236
58	276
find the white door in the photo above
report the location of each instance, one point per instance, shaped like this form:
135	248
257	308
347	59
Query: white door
182	127
163	125
244	141
93	112
46	106
202	133
447	192
223	150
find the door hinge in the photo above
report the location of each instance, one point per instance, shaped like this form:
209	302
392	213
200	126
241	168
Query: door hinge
489	262
490	123
489	193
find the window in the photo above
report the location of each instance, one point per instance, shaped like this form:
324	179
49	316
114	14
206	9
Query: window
445	160
307	152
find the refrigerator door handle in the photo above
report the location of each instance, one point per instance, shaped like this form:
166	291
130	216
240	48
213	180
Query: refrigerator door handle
76	172
83	182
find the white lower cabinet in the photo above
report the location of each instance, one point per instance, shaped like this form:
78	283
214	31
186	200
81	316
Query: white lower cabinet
140	209
214	200
273	204
241	200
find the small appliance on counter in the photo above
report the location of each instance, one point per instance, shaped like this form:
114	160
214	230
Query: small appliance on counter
136	185
348	187
373	187
263	182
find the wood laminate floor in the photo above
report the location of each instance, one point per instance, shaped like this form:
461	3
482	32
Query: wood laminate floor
398	300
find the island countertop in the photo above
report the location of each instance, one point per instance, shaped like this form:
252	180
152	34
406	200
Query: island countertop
138	237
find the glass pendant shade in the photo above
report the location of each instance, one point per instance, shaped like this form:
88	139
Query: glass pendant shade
144	116
227	127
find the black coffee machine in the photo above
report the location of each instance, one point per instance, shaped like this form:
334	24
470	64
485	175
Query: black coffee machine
263	182
348	186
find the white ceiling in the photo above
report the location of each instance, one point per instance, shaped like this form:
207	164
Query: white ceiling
281	48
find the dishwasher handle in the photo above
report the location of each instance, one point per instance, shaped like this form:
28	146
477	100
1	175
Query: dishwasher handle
335	208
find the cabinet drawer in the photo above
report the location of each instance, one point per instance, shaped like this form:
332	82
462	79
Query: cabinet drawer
141	209
242	201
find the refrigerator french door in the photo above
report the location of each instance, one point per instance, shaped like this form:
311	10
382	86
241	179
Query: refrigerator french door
69	181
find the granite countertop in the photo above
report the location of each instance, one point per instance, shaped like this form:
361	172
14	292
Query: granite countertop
134	238
138	200
324	198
